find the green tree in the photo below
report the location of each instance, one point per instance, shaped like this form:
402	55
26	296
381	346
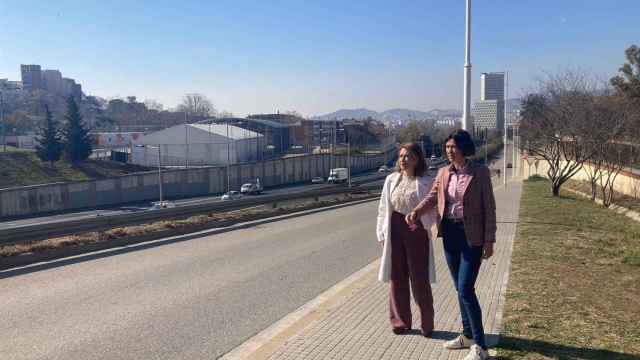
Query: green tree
629	83
49	146
77	142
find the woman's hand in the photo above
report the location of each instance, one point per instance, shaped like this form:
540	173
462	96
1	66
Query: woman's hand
487	250
411	218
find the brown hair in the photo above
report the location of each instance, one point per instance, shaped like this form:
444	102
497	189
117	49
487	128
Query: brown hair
415	150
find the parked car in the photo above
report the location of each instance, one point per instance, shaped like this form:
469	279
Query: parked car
231	195
317	180
384	169
509	165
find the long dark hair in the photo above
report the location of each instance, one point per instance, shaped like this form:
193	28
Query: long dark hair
415	150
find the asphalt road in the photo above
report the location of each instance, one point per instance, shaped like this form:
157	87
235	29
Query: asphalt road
86	214
193	299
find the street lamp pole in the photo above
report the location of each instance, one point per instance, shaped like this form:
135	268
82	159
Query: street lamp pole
486	147
145	147
160	174
4	134
466	110
186	142
504	158
349	161
228	158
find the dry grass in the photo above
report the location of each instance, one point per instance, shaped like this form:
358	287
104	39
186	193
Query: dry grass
574	288
195	223
619	199
21	168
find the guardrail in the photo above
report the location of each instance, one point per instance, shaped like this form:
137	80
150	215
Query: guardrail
43	231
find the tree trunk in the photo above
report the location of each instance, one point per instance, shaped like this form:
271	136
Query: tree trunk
555	189
594	190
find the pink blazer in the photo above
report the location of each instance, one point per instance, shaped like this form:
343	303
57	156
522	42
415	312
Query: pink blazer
479	216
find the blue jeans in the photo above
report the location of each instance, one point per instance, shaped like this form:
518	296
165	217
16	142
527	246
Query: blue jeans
464	264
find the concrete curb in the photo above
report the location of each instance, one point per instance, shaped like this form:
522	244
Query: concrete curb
264	343
11	262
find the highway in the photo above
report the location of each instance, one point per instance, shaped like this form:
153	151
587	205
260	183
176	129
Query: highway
193	299
78	215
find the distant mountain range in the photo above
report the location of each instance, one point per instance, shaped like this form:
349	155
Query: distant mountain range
394	115
389	115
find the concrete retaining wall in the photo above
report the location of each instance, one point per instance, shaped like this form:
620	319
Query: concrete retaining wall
176	183
626	182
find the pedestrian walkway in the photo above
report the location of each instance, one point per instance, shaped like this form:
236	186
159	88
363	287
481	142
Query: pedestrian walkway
358	328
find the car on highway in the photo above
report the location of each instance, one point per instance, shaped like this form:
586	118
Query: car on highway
162	205
231	195
251	188
384	169
317	180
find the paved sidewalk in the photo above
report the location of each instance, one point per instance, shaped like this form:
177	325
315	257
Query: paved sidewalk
358	327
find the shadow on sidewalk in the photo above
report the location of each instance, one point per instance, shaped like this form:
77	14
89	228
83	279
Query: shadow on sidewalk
558	351
436	335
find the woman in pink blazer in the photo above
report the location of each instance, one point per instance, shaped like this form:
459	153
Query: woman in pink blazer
463	196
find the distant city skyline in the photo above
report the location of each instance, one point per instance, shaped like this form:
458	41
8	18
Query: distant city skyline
258	57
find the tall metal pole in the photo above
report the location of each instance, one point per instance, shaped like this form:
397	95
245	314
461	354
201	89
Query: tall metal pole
513	151
186	141
349	162
466	110
504	158
160	174
4	131
486	147
228	159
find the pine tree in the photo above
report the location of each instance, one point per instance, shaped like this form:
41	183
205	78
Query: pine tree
49	147
77	142
628	84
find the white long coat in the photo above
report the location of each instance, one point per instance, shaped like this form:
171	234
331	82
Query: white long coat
383	228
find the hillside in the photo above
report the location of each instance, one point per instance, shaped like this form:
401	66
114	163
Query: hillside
388	115
24	168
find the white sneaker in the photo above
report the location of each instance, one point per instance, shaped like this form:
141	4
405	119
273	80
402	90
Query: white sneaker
477	353
461	342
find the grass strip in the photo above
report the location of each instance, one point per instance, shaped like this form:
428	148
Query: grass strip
574	286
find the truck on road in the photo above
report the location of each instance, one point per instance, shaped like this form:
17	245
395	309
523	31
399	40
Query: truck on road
338	175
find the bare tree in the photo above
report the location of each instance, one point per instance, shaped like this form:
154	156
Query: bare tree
616	113
153	105
557	125
197	105
225	114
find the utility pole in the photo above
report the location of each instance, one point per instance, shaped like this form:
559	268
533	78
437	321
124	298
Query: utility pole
516	146
186	142
486	147
4	131
228	158
466	109
160	174
504	158
349	162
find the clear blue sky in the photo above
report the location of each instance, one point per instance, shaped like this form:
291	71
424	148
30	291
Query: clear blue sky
310	56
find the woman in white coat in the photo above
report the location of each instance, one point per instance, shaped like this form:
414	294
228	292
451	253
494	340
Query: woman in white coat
407	252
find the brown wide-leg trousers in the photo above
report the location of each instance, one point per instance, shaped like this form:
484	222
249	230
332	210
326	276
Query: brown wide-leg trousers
409	256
